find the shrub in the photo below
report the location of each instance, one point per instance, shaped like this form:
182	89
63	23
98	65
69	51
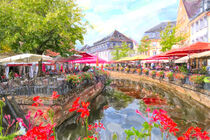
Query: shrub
197	79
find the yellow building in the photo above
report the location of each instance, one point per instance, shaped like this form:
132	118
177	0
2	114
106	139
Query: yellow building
192	21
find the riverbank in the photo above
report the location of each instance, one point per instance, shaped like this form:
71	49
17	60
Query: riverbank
182	92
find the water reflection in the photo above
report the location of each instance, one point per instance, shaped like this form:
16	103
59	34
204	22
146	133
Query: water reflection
116	111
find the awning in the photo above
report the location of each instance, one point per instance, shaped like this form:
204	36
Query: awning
182	60
201	55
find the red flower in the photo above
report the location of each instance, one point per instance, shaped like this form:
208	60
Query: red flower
55	95
37	101
36	98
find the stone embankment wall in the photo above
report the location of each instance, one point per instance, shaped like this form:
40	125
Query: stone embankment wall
63	103
182	92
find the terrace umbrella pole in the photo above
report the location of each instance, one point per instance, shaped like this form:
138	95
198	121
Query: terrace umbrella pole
40	73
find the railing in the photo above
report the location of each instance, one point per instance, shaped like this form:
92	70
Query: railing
39	85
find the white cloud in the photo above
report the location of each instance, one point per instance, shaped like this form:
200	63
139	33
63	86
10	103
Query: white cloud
132	23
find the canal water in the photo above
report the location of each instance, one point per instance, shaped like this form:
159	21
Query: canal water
116	109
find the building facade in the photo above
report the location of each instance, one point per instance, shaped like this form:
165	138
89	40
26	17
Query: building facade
105	46
200	23
153	35
193	21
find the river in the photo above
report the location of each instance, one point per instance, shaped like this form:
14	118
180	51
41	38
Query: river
116	109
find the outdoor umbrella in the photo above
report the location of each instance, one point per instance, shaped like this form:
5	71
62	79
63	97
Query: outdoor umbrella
27	58
194	48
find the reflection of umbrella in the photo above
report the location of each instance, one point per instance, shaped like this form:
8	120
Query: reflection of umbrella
89	60
28	58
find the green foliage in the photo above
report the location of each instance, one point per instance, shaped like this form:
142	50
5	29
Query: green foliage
34	26
169	37
145	44
114	137
197	79
121	51
144	133
183	69
203	70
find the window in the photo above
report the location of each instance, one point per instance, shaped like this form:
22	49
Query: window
197	26
192	29
205	21
114	44
201	23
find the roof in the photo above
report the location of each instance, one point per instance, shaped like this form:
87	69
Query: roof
192	7
115	36
160	27
85	47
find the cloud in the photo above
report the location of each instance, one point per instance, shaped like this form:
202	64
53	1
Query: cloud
108	15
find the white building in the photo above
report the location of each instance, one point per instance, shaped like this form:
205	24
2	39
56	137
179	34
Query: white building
200	23
104	47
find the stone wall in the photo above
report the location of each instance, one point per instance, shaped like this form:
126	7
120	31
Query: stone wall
182	92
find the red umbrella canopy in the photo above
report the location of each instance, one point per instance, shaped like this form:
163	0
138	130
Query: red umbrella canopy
194	48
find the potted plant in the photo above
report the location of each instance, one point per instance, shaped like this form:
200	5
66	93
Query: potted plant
145	71
180	78
120	68
160	74
170	75
127	69
152	73
138	71
197	80
132	70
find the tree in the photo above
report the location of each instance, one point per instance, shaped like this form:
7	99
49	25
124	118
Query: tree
144	44
170	38
34	26
121	51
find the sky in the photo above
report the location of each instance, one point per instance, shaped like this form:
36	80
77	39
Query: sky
130	17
